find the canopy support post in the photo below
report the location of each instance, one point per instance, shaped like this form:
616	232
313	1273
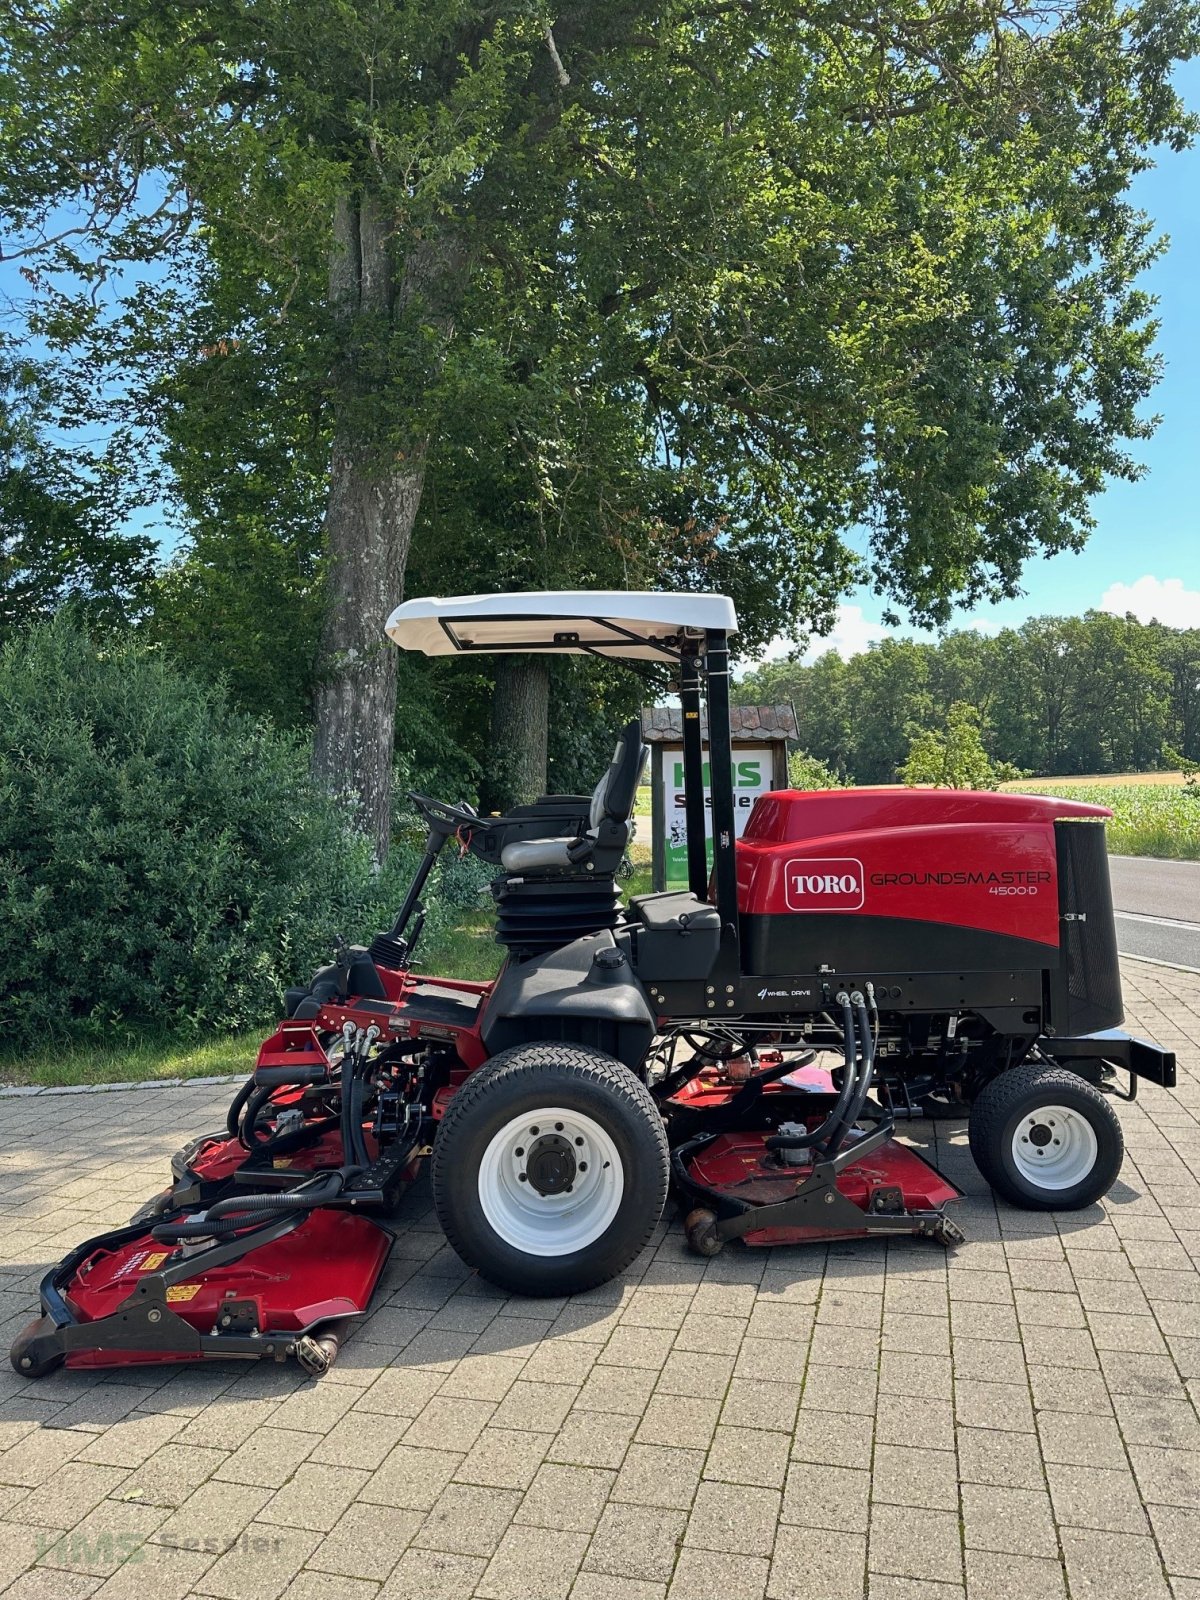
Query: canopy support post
693	776
720	770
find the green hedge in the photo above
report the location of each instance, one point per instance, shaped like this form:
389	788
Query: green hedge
164	860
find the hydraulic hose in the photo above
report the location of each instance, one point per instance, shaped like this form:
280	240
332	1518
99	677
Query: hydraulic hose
233	1115
257	1102
865	1076
237	1212
837	1118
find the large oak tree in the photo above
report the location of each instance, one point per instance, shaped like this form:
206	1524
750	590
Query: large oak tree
861	276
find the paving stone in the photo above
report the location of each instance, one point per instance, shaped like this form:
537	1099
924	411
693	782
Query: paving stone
829	1497
700	1377
995	1576
410	1478
162	1573
847	1445
1004	1406
1060	1389
915	1477
817	1564
636	1541
570	1498
310	1585
468	1520
748	1455
1167	1477
1096	1497
533	1561
261	1564
450	1424
926	1424
479	1377
1103	1565
594	1439
1080	1440
433	1575
607	1586
734	1518
365	1543
504	1458
673	1420
314	1496
1177	1529
67	1498
658	1475
645	1348
757	1403
907	1546
1013	1460
622	1389
701	1574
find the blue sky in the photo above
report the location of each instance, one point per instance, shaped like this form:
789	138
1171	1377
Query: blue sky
1145	553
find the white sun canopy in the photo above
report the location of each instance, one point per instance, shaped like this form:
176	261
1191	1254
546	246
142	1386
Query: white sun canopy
621	625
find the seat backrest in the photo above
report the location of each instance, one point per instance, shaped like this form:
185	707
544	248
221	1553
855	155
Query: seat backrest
614	795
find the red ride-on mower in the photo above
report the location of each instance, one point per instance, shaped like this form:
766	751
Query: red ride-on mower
748	1042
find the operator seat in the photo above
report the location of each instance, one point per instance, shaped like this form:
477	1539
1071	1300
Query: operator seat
552	891
600	847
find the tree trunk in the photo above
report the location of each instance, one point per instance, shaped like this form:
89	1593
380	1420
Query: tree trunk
374	497
519	731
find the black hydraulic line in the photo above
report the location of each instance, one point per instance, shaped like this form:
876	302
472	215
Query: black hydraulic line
238	1212
836	1120
233	1115
854	1110
256	1104
303	1199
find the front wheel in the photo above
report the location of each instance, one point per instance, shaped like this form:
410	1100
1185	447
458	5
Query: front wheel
550	1169
1045	1140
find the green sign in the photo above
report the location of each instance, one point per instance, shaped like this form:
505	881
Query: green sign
752	767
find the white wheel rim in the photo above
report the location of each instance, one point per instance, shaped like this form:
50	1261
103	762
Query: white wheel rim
551	1224
1054	1147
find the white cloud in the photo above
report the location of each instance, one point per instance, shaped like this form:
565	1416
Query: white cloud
850	636
1154	599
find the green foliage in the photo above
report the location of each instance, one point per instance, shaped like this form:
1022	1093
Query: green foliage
953	757
56	517
1189	770
1149	819
725	285
1058	695
162	859
810	772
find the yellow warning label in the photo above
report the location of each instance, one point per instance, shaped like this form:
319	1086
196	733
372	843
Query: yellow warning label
152	1263
281	1161
182	1291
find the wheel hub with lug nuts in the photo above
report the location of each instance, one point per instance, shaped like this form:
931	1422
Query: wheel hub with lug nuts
1054	1147
551	1183
550	1164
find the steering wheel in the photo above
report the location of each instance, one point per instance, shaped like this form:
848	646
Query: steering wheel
440	813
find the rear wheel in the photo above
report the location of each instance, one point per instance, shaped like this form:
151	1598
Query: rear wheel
550	1168
1045	1139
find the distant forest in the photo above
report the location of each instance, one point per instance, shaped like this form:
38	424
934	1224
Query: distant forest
1060	695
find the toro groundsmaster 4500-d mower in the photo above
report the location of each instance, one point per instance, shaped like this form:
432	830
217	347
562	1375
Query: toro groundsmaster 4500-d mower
746	1043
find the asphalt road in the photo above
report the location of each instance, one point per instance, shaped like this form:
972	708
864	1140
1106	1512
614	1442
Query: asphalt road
1158	909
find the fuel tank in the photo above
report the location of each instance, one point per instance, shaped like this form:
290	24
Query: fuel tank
884	880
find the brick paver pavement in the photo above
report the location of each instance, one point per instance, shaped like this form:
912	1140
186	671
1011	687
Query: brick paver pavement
1016	1421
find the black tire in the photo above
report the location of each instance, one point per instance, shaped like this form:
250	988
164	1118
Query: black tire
1018	1093
521	1082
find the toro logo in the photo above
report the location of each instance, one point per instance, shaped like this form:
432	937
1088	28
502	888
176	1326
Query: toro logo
831	884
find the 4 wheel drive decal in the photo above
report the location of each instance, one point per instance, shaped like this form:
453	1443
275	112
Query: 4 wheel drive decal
832	883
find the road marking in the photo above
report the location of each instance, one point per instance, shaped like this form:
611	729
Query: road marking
1162	922
1172	966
